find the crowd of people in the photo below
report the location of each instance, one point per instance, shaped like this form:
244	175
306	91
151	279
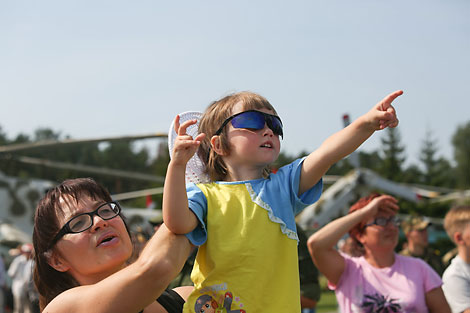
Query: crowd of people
17	291
237	220
367	274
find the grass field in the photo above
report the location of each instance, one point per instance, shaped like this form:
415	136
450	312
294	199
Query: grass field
327	303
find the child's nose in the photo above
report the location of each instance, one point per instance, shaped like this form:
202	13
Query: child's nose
267	131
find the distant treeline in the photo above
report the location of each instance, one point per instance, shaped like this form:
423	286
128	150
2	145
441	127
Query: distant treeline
104	161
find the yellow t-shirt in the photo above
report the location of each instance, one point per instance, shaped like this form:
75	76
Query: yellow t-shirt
248	261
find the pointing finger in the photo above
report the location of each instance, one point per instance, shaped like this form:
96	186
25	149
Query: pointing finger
386	102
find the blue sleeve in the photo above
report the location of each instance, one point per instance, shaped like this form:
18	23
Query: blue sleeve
198	204
291	173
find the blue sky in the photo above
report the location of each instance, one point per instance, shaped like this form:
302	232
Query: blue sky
109	68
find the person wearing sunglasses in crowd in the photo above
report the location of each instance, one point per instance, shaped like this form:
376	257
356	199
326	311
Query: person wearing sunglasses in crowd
243	219
82	246
380	280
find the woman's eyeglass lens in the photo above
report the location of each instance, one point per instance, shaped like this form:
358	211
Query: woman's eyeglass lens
84	221
383	221
253	119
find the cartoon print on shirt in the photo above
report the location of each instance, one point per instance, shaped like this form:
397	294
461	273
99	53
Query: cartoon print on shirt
206	304
377	303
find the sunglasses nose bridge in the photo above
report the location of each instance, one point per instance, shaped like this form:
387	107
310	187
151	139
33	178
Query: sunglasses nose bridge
272	125
268	121
268	125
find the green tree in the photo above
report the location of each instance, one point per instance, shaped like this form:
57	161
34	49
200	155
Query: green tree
43	134
121	155
461	143
8	165
158	167
116	155
159	164
4	162
341	167
371	160
392	155
285	158
21	138
428	158
412	175
3	137
437	170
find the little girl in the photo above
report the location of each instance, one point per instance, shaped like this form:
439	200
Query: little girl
243	220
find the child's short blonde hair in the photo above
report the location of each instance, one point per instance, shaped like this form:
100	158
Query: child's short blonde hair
217	112
456	220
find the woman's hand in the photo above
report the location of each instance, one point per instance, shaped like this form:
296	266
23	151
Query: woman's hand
384	205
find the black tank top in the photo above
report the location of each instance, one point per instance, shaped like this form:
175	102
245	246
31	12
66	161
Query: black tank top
171	301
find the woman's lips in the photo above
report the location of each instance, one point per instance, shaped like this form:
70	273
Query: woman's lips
107	239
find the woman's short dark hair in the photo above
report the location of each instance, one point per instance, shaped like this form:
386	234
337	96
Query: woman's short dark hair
50	282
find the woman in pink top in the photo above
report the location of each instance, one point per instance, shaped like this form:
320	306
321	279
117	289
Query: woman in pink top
380	280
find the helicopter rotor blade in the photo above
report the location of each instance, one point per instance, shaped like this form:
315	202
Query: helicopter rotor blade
90	169
137	194
52	143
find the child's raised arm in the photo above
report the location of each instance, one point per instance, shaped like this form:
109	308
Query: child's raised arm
347	140
176	213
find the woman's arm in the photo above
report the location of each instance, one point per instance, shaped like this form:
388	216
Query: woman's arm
134	287
321	246
436	301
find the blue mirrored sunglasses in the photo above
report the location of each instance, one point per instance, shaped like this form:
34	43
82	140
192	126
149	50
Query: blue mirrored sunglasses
383	221
253	119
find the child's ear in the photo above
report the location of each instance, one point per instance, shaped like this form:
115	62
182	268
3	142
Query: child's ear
57	262
216	145
458	238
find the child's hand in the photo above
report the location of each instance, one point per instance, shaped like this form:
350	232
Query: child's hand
383	114
185	146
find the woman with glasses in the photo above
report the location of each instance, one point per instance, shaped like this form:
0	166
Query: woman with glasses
380	280
82	247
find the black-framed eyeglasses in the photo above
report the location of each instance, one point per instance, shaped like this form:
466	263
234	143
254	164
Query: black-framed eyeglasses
84	221
383	221
253	119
